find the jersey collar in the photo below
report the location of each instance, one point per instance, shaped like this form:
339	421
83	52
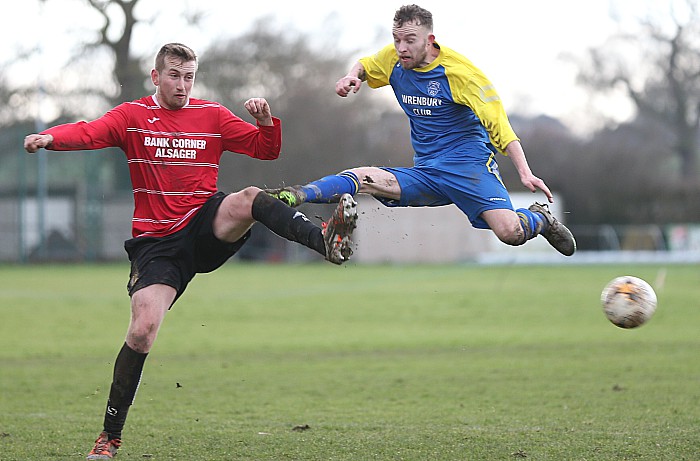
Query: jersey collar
435	63
155	100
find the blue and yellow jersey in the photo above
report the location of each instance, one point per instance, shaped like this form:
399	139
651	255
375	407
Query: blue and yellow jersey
450	103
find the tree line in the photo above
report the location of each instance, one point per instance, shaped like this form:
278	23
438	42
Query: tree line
644	171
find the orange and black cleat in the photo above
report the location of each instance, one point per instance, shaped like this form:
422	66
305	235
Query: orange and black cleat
104	448
337	232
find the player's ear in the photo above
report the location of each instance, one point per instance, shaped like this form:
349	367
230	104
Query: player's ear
155	77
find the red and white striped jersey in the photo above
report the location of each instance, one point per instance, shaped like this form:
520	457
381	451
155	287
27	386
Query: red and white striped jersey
173	155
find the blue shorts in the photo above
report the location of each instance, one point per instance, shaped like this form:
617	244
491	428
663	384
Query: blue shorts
473	185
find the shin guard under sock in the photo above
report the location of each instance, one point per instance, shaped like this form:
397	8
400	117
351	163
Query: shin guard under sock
329	189
532	223
287	222
125	382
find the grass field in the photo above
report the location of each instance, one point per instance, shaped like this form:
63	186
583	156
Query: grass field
316	362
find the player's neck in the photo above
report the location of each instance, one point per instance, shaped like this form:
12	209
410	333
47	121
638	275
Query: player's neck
431	56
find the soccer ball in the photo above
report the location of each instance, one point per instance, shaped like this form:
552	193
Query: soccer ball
628	301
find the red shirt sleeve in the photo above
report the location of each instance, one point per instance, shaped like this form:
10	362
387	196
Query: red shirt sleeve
106	131
261	142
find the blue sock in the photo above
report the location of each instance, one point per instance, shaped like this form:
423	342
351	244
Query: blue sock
532	223
328	189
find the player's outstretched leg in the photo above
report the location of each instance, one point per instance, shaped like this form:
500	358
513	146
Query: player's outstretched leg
328	189
556	233
337	232
292	196
104	448
332	241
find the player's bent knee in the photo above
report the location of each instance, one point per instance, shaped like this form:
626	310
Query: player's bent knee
376	181
513	238
249	193
238	206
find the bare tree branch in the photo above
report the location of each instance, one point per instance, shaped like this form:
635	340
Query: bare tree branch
665	85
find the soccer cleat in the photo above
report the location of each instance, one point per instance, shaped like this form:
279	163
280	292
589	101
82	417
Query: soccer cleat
293	196
338	230
104	448
557	234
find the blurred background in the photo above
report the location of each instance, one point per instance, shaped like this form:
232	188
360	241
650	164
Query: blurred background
605	97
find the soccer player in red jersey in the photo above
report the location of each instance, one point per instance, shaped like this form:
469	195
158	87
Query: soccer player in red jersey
182	225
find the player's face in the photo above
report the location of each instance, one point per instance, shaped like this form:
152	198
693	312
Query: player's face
174	82
413	42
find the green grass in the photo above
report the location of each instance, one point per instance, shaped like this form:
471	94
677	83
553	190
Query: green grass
382	363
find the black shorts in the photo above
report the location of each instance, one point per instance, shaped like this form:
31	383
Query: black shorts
175	259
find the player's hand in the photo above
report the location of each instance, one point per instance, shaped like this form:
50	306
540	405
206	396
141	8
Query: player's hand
345	85
260	110
34	142
533	183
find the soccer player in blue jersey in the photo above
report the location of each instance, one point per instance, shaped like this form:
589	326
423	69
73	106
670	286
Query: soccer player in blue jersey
458	125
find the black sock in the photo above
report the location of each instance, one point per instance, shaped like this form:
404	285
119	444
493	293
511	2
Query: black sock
125	383
287	222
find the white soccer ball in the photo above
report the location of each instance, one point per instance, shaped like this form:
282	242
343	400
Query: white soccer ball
628	301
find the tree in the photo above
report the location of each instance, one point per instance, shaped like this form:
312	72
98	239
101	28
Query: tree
127	67
106	55
664	88
322	133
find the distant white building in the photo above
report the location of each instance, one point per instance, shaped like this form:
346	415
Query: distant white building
435	235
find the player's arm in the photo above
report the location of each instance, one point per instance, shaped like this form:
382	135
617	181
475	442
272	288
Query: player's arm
375	70
34	142
260	110
517	155
473	89
263	142
352	81
100	133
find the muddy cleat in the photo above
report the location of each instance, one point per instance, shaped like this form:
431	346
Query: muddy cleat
293	196
104	448
338	230
557	234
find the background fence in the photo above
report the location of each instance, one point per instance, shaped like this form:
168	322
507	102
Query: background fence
74	227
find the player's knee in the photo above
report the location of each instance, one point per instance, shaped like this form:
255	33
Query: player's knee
248	195
142	337
239	205
514	237
373	180
140	344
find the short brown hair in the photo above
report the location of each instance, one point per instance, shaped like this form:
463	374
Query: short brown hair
408	13
176	50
